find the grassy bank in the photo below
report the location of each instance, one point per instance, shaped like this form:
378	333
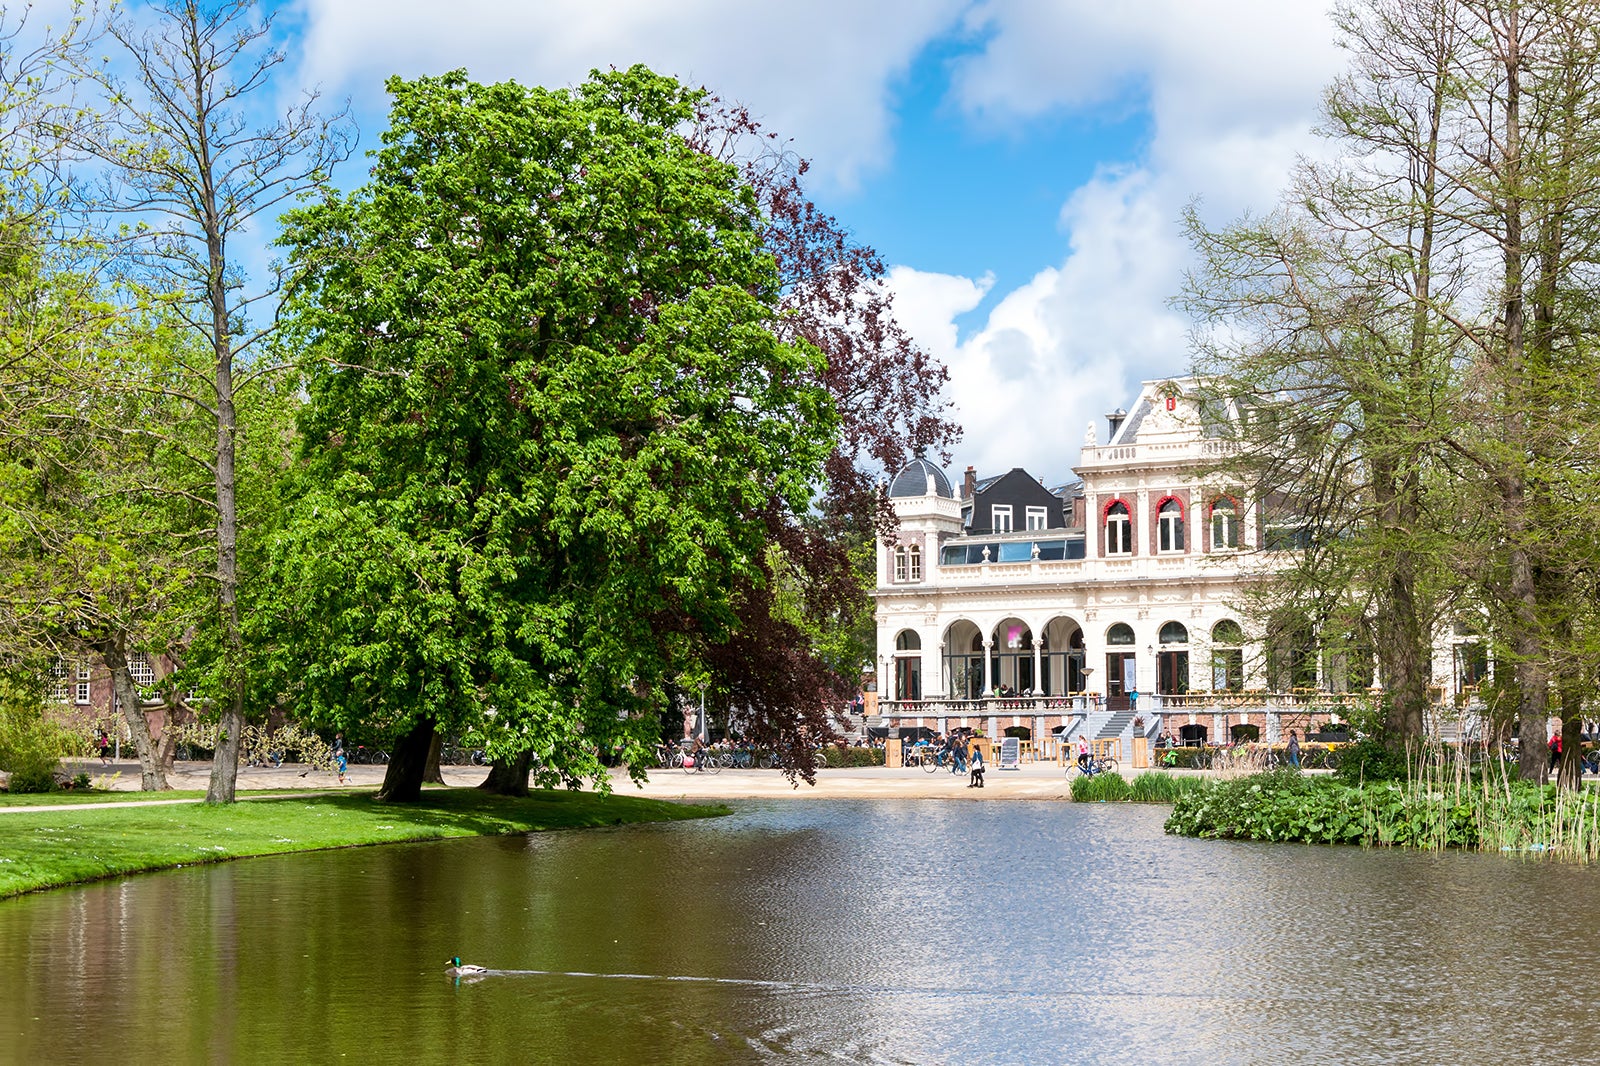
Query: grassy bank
1482	812
47	848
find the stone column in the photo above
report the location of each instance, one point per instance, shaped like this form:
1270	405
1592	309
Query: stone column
988	668
1038	675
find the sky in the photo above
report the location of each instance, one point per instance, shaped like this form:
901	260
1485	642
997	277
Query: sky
1022	165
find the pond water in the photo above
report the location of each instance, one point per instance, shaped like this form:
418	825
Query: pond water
873	932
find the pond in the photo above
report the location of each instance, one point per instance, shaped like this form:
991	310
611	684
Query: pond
870	932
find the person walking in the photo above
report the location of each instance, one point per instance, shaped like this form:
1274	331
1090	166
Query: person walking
103	742
976	762
1294	749
340	763
1555	750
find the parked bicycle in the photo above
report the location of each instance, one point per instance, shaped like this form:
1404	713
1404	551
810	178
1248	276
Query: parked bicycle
705	760
1094	765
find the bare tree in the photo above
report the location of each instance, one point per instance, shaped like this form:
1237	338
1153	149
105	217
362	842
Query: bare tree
193	162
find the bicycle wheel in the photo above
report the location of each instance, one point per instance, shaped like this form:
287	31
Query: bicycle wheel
819	760
675	760
711	761
690	763
1331	759
768	760
929	762
1108	765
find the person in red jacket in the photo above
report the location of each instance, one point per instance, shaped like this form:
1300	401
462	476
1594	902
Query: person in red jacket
1555	749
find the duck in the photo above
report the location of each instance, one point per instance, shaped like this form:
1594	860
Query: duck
456	969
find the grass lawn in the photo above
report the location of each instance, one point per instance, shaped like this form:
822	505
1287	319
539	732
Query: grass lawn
47	848
68	797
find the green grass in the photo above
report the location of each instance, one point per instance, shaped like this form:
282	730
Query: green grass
48	848
90	795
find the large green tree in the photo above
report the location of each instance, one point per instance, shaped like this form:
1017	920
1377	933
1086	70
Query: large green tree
553	429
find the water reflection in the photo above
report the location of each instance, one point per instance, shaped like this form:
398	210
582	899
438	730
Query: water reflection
855	932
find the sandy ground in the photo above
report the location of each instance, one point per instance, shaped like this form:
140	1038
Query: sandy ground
1032	781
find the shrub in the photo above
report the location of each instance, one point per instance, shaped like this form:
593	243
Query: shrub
30	747
1370	759
844	757
1100	788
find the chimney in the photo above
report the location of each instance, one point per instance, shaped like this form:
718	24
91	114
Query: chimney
1116	418
969	483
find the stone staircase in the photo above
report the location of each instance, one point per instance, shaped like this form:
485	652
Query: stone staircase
1115	726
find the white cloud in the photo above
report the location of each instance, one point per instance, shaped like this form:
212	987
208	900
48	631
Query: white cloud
820	72
1231	91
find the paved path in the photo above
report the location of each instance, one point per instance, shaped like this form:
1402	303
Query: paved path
1033	781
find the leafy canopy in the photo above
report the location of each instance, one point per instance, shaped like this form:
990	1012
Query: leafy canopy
550	417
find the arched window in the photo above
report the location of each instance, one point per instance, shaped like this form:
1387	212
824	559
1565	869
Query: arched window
908	563
1169	525
907	665
1227	656
1174	633
1224	523
1119	530
1120	633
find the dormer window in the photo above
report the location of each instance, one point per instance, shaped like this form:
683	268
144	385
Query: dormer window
1000	518
1169	525
1038	517
1119	530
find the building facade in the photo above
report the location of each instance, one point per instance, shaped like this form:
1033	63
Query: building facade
1113	604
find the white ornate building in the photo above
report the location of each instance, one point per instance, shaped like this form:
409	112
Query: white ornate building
1112	604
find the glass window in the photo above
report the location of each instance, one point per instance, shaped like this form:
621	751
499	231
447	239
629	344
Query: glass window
1000	518
914	562
1018	551
1174	633
1169	525
81	696
953	556
907	641
982	553
1224	524
1077	549
900	563
1038	518
1119	530
1050	550
58	681
1120	633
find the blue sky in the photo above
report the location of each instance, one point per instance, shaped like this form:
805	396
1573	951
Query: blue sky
1021	164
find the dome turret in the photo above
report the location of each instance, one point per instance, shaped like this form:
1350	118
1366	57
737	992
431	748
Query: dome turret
920	478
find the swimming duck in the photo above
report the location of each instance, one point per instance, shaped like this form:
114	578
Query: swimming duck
458	970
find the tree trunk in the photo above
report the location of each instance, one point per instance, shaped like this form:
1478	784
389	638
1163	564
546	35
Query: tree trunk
152	772
509	777
402	783
431	774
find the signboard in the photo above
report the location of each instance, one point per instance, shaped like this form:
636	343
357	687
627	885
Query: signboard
1010	757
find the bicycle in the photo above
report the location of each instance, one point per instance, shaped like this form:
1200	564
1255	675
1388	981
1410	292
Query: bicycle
705	760
1105	765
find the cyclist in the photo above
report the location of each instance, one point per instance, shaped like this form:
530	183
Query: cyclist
1083	754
